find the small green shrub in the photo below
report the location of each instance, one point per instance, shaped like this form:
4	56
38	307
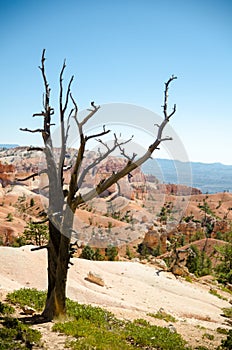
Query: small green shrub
214	292
208	336
153	337
199	263
221	330
129	335
6	309
95	328
141	322
224	269
143	250
87	312
227	312
91	336
128	253
162	315
19	242
156	251
111	252
98	256
227	343
87	253
9	217
36	234
16	335
200	327
225	289
28	297
91	254
188	279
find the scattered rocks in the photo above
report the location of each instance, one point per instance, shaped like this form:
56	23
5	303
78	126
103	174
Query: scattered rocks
171	328
159	263
95	278
28	310
179	270
229	286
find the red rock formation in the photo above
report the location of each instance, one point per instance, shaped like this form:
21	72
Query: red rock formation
187	229
7	235
156	237
6	174
6	168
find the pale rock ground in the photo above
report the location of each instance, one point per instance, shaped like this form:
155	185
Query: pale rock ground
132	290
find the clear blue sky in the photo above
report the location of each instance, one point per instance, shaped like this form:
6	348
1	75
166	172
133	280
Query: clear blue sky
123	51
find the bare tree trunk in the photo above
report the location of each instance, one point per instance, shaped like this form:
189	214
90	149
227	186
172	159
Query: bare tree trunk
58	260
53	254
61	218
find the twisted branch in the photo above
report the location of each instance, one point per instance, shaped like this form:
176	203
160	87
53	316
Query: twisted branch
131	165
33	131
101	157
32	175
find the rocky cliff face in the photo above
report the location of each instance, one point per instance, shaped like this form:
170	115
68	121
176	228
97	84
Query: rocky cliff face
161	235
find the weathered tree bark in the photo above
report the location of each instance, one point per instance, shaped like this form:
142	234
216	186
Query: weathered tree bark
51	308
58	254
61	209
58	261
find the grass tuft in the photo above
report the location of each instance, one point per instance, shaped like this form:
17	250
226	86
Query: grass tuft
227	312
208	336
214	292
221	330
162	315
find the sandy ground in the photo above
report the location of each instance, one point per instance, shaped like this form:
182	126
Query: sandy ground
132	290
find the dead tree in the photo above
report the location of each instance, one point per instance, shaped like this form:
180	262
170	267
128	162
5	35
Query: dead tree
61	208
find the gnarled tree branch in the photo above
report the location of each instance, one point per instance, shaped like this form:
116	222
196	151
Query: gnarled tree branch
35	149
131	165
32	175
64	134
33	131
101	157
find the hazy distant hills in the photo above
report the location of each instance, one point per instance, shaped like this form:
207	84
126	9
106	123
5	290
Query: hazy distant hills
211	178
7	145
